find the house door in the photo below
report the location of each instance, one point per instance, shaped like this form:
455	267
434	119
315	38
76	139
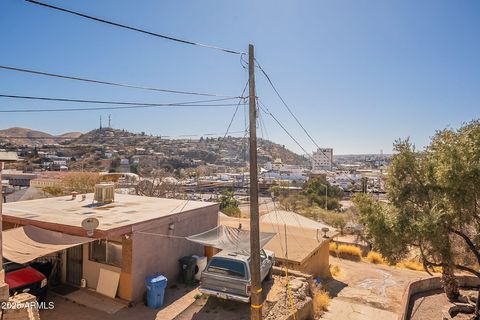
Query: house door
74	265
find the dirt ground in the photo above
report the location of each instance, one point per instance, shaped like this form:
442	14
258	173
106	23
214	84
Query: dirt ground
429	305
372	287
274	293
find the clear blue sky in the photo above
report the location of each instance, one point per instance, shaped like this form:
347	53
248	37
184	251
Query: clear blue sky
358	74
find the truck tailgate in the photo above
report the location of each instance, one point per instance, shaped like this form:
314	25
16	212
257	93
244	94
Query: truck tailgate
223	283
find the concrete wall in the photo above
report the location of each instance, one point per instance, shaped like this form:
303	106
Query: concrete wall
159	250
317	265
428	284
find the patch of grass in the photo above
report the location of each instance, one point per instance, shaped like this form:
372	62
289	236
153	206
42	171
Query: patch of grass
320	299
411	265
334	270
345	252
197	296
375	257
416	266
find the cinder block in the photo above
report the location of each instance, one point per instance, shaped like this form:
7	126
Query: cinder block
21	307
4	294
2	276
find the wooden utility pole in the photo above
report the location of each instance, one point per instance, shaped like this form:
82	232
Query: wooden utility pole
256	288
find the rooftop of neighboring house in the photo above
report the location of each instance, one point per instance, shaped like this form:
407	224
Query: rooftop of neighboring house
302	242
66	214
8	156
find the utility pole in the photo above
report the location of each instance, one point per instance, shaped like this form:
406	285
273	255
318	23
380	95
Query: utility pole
256	285
109	120
326	196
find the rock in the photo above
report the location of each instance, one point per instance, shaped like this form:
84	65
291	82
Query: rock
295	285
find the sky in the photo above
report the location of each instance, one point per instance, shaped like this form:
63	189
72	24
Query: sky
357	74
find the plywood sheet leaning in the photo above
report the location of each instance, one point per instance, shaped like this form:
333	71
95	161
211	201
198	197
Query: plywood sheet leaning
108	282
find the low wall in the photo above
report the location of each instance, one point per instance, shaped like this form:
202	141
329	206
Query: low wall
428	284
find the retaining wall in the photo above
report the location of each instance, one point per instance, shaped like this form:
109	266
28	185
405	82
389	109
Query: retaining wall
428	284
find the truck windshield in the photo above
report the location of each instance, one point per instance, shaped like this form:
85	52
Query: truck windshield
227	267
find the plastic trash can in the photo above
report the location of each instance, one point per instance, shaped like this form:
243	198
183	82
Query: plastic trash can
155	290
187	269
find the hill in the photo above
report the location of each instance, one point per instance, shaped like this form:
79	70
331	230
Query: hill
24	136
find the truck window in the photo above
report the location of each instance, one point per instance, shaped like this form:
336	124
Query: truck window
227	267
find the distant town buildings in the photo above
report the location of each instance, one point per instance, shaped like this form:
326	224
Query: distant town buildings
322	159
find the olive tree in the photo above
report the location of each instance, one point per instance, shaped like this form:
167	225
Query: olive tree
434	200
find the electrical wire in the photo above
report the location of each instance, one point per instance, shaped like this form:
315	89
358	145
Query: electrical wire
133	28
288	108
116	84
285	104
236	110
115	108
267	111
109	102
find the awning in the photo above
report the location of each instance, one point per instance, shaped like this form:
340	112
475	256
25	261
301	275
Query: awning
231	239
28	243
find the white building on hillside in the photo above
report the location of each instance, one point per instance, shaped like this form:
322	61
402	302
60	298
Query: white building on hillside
322	159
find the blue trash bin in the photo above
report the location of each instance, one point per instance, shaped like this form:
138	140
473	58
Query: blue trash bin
156	290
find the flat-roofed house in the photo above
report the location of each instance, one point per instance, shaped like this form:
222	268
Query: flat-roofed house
136	236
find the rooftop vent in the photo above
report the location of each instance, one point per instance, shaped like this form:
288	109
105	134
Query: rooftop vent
104	192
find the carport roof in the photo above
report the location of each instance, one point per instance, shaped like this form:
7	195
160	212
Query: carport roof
28	243
66	215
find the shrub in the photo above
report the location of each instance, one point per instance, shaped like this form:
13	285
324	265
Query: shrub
411	265
321	300
416	265
334	270
333	248
375	257
349	252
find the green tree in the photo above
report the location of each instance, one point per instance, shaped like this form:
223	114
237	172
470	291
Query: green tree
434	205
316	188
228	203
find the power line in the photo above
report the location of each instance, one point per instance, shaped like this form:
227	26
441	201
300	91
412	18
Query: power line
267	111
116	84
134	29
115	108
286	105
108	102
236	110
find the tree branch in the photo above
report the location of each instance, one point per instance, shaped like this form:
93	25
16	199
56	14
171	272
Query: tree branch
469	243
467	269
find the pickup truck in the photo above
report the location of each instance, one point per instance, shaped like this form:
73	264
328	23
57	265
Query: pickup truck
23	278
227	275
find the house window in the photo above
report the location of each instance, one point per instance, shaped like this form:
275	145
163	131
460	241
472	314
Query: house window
107	252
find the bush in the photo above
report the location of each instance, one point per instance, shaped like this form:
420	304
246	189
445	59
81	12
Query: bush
321	300
345	252
375	257
334	270
411	265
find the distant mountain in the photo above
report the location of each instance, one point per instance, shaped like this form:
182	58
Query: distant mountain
71	135
24	136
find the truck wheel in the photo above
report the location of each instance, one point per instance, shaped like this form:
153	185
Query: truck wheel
269	275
